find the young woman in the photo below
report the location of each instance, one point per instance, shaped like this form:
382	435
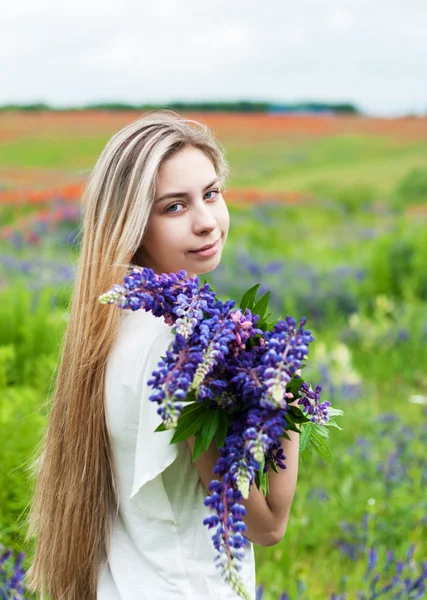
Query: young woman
118	511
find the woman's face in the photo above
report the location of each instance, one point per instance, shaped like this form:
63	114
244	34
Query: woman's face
194	214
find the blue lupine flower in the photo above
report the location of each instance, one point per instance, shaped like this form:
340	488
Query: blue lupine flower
219	354
11	585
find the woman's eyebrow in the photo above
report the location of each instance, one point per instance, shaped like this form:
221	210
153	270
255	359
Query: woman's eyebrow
181	194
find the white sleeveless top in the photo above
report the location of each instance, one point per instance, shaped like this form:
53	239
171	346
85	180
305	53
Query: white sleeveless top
160	549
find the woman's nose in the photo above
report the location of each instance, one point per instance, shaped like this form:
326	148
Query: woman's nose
203	217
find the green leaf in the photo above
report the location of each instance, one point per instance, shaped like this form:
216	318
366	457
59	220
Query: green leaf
264	483
195	406
161	427
321	446
294	385
321	431
258	476
221	432
333	424
263	478
188	424
296	415
269	326
304	439
248	298
313	439
210	426
199	447
292	427
274	467
261	306
334	412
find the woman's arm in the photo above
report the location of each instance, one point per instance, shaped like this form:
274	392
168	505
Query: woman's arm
261	524
266	516
282	484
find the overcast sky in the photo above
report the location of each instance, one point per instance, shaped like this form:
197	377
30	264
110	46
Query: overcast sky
370	52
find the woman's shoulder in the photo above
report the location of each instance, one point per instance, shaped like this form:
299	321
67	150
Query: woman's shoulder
137	320
141	340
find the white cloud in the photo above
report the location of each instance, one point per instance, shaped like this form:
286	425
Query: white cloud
89	51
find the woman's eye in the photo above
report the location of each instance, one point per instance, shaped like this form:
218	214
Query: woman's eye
213	191
216	192
174	204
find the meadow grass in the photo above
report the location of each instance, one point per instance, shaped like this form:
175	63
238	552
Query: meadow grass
339	161
329	260
51	152
298	163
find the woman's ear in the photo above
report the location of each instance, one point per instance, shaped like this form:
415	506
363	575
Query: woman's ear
139	256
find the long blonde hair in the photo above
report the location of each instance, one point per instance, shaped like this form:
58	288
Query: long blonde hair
75	496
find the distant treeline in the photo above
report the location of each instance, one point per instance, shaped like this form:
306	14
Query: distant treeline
242	106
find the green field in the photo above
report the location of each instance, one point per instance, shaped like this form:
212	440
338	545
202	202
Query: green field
351	258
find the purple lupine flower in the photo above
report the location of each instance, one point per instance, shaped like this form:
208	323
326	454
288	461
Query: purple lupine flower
4	557
318	411
410	586
372	559
220	355
11	579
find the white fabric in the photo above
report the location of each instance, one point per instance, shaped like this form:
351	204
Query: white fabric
160	549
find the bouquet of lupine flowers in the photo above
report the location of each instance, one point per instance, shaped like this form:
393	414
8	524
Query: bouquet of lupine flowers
236	373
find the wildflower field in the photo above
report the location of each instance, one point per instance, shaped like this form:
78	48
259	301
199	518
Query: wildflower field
330	214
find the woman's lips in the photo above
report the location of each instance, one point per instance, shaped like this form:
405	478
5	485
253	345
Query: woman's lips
208	252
